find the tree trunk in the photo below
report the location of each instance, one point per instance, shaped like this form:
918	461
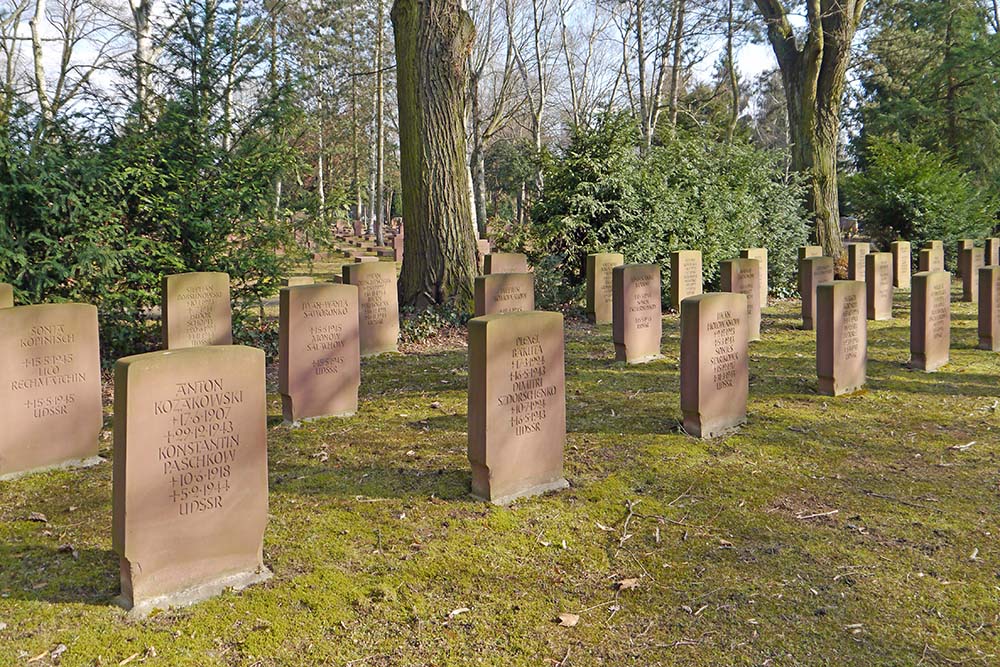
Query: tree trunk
379	126
142	11
433	41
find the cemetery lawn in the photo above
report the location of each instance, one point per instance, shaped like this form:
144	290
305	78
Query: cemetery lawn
860	530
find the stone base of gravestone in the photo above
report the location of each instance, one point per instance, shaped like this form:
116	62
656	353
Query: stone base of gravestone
192	595
930	320
841	337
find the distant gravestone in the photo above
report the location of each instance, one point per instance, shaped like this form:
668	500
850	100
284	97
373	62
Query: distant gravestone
991	252
319	354
378	305
760	254
743	277
812	272
517	405
807	251
930	320
989	308
714	363
295	281
638	313
504	293
970	260
482	249
6	295
50	387
963	244
841	337
505	262
901	264
190	474
196	310
397	248
878	281
931	259
685	276
599	288
856	260
358	227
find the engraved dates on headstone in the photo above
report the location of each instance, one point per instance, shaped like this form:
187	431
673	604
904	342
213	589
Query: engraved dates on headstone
637	328
841	337
504	293
742	276
196	310
856	260
878	279
505	262
812	272
901	264
760	254
970	260
378	305
685	276
989	308
930	320
599	292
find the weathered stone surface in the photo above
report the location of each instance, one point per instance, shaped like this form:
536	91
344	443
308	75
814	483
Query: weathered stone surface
504	293
930	320
637	326
505	262
991	252
856	260
50	387
196	310
841	336
806	251
970	260
483	248
295	281
902	264
6	295
358	259
685	276
517	405
878	280
812	272
743	277
714	363
760	254
989	308
599	288
319	353
190	474
963	244
931	259
378	305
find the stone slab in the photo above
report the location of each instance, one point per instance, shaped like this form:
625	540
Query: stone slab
504	293
856	260
378	305
989	308
902	264
991	252
505	262
841	336
686	277
812	272
878	282
760	254
295	281
930	320
196	310
6	295
637	322
599	285
743	277
970	260
931	259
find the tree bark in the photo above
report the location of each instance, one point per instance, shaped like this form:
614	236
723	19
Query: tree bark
379	126
433	42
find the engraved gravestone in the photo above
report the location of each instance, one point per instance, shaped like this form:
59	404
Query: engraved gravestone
599	287
6	295
482	249
504	293
962	244
991	252
517	405
970	260
856	260
190	474
319	354
397	248
637	326
878	281
378	305
295	281
714	363
812	272
50	387
685	276
901	264
930	320
841	337
806	251
742	276
989	308
931	259
505	262
196	310
760	254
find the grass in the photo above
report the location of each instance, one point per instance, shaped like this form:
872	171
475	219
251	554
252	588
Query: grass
376	545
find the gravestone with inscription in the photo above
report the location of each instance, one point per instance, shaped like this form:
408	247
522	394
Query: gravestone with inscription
878	279
901	264
931	259
378	305
190	474
637	326
989	308
599	292
6	295
856	260
930	320
991	252
517	405
50	387
841	337
196	310
397	248
760	254
504	293
685	276
714	363
806	251
963	244
505	262
295	281
743	277
970	260
319	354
812	272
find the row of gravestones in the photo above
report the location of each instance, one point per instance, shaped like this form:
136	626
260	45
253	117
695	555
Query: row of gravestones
190	465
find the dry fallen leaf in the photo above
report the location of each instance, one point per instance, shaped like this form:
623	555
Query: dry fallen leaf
568	620
38	516
128	659
627	584
457	612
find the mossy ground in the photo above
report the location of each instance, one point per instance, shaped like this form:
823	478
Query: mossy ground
375	542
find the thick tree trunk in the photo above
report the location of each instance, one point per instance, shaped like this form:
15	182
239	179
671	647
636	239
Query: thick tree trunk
433	42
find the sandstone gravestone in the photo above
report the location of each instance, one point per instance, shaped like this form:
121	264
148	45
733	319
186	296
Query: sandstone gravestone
901	264
841	337
517	405
637	326
931	259
504	293
685	276
963	244
714	363
196	310
970	260
812	272
295	281
856	260
378	305
482	249
505	262
319	354
358	259
6	295
989	308
397	248
743	277
760	254
991	252
50	387
190	474
878	280
807	251
599	292
930	320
